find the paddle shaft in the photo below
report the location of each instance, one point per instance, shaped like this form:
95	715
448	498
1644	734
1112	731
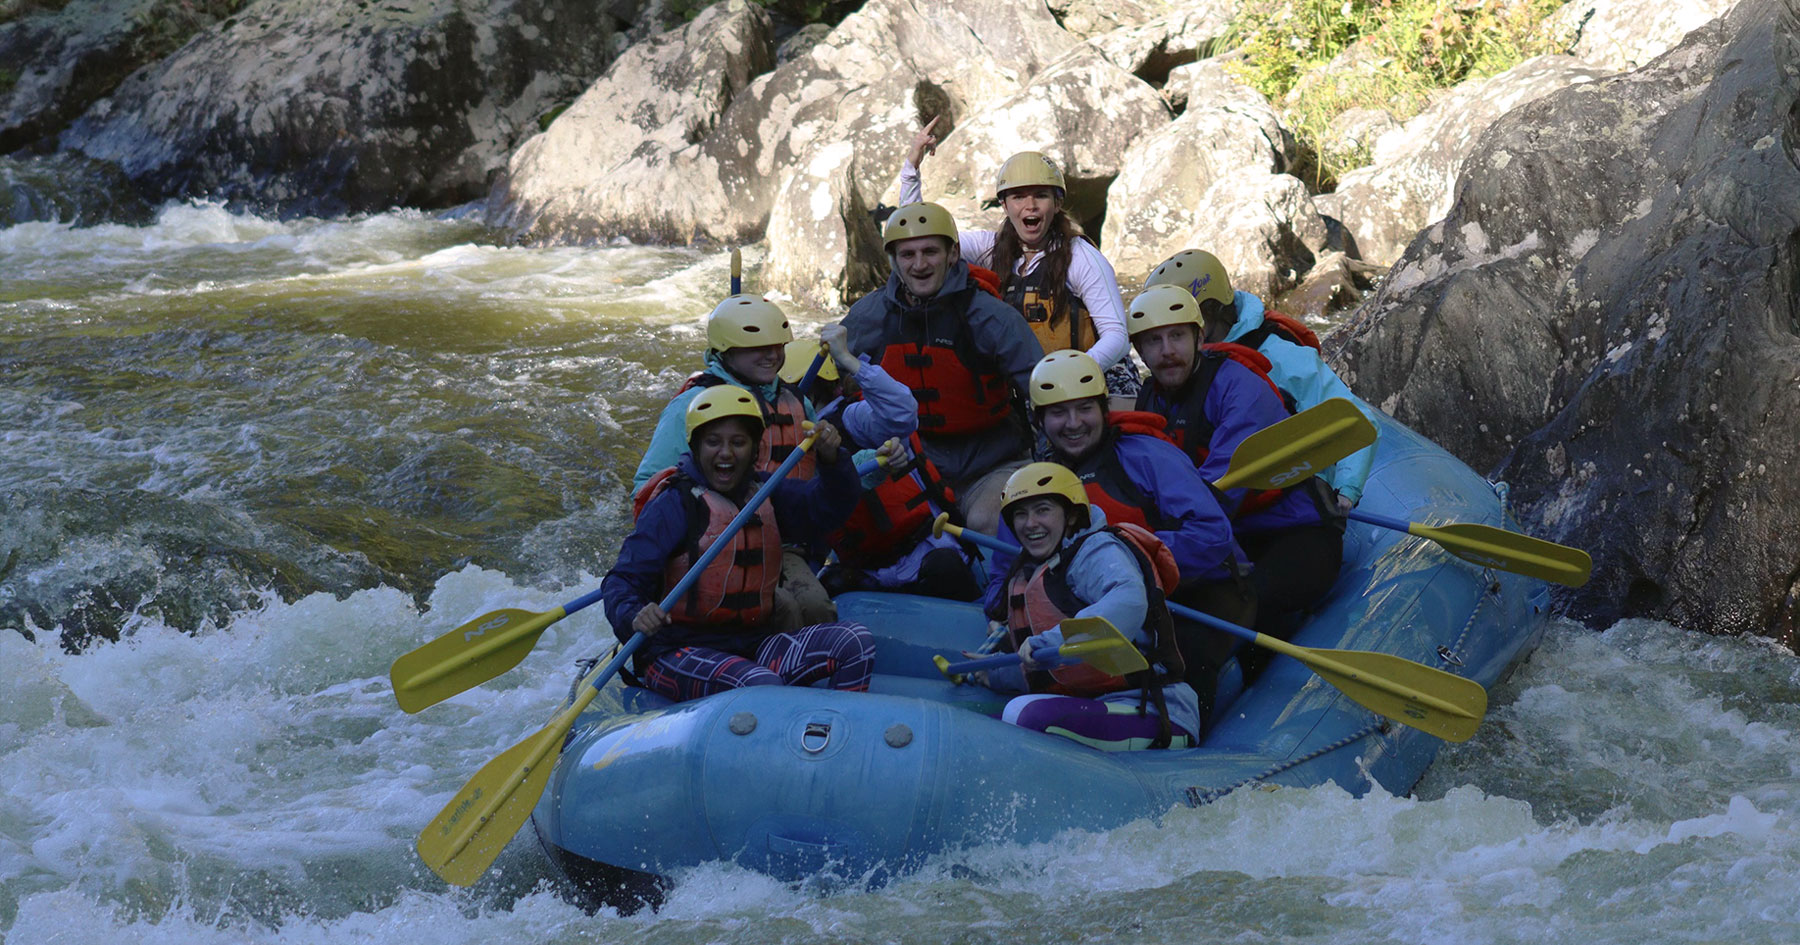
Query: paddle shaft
737	272
1068	651
812	374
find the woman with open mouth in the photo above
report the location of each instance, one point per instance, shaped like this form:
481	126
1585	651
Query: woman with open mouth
1048	268
724	634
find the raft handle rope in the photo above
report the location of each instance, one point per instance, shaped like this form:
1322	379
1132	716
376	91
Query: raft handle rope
1197	797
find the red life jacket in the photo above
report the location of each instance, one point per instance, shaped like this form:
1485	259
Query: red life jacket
1056	326
738	587
1043	599
987	279
1186	423
894	515
954	396
1281	326
782	430
1109	487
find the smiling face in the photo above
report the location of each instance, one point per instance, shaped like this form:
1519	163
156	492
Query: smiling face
1170	352
1030	210
1039	524
922	263
725	451
759	365
1074	427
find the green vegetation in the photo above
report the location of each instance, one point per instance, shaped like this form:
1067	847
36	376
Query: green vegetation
1316	59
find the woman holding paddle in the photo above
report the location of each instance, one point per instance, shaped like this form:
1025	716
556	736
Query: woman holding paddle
1074	567
721	635
1049	270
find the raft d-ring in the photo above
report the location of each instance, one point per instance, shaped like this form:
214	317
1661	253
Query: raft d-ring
815	737
1448	656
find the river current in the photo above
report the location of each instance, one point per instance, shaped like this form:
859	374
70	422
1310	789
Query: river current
245	463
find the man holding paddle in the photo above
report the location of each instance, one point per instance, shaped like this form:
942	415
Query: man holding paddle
718	636
1211	396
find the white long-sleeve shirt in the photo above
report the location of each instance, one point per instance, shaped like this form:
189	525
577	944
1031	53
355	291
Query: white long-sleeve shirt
1091	278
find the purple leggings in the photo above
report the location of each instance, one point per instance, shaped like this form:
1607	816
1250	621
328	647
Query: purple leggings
843	651
1108	726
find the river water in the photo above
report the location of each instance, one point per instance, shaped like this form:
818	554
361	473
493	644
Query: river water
246	463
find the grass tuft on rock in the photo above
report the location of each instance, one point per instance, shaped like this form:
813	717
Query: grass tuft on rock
1317	59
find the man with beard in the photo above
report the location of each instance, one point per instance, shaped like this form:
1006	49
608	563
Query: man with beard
965	354
1210	397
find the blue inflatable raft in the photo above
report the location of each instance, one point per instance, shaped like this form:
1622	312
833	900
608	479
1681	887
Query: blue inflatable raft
804	783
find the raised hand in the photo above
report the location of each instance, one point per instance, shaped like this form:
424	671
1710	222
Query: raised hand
923	143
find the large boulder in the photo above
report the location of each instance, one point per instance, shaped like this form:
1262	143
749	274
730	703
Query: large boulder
1214	179
59	62
1150	46
330	106
1625	34
1083	111
1609	319
627	157
1410	182
882	73
780	138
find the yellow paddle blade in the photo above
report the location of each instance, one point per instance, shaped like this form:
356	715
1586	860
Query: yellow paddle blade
1096	642
462	841
468	656
1510	551
1303	445
1430	700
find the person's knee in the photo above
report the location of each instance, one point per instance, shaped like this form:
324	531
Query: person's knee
760	676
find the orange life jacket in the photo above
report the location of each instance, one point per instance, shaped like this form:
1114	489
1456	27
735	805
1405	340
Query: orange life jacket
782	430
1056	326
1043	599
738	587
894	515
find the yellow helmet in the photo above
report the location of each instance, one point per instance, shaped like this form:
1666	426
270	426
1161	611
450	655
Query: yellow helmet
1042	479
1028	169
1066	375
1197	271
918	219
719	402
746	321
800	355
1160	305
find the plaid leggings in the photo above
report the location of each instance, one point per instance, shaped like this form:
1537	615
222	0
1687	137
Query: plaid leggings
843	651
